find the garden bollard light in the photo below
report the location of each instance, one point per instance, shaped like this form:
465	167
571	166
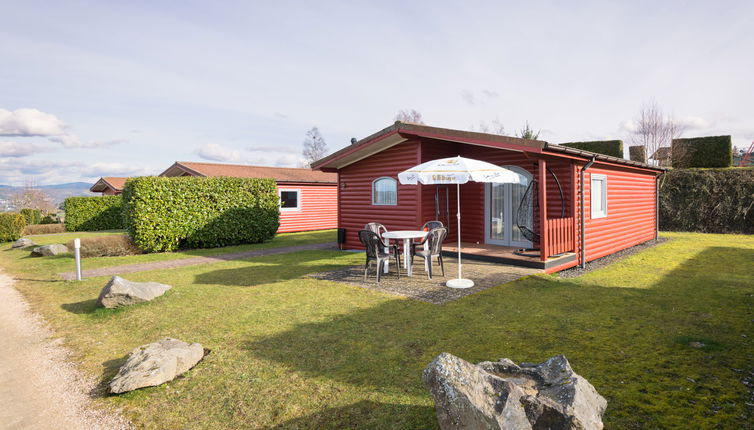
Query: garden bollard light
77	255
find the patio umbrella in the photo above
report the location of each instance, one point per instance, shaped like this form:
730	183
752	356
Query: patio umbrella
458	170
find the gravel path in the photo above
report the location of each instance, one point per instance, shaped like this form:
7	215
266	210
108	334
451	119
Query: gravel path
192	261
39	387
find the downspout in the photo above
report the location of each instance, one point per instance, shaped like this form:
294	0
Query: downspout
657	206
581	210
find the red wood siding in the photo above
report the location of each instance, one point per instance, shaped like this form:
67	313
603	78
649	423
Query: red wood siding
355	198
631	212
318	208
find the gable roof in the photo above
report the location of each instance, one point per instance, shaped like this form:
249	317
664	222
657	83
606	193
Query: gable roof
114	182
400	132
280	174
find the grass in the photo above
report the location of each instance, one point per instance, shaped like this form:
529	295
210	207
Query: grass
293	352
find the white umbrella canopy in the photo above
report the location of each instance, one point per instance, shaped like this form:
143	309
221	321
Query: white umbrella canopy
459	170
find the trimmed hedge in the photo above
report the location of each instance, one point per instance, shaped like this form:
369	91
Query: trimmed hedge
32	216
712	151
93	213
708	200
636	153
613	148
12	226
166	214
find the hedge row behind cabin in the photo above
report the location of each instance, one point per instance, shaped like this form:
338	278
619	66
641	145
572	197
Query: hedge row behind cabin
712	151
12	226
613	148
93	213
166	214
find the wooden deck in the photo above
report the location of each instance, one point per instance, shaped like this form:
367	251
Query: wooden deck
506	255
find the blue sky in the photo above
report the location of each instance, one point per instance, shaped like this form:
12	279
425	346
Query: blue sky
127	88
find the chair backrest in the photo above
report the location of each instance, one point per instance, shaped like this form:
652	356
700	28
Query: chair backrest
371	242
435	238
376	228
429	225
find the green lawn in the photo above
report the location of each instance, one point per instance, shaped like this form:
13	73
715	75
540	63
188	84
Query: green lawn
294	352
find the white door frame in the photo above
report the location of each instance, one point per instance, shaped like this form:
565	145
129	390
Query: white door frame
507	213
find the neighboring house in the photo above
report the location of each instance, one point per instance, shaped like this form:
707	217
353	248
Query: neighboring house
620	196
661	157
308	198
109	185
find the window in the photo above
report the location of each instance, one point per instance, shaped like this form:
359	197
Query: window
290	200
385	191
599	196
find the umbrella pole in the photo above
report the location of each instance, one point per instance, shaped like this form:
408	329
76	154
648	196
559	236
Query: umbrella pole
460	282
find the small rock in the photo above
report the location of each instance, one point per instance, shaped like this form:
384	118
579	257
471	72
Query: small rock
121	292
503	395
156	363
696	344
23	243
49	250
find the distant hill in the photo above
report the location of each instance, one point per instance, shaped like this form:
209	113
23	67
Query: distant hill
58	192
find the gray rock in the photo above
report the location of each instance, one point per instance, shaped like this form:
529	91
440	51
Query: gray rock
23	243
156	363
120	292
49	250
503	395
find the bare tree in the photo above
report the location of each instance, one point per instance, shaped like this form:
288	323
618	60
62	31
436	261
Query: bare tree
315	146
409	115
655	130
528	133
31	197
494	127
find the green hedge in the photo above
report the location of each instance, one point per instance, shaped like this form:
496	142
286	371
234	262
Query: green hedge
708	200
613	148
713	151
93	213
11	226
165	214
637	153
32	216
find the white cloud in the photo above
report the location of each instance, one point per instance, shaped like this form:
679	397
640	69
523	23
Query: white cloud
114	169
693	123
30	122
215	152
73	141
21	149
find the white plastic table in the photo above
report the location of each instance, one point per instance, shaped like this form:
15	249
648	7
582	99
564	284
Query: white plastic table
406	235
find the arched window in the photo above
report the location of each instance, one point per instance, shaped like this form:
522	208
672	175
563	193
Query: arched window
385	191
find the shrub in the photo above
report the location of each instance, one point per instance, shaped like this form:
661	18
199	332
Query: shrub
613	148
44	229
11	226
93	213
713	151
32	216
106	246
165	214
708	200
50	219
636	153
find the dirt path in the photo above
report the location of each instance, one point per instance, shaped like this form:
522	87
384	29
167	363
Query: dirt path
192	261
39	388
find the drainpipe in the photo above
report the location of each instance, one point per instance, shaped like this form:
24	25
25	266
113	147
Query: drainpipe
657	206
581	209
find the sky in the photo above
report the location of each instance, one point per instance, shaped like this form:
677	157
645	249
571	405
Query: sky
98	88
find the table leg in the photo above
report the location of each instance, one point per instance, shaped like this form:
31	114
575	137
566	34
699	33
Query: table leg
387	262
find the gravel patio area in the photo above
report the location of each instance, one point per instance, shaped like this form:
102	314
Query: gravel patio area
418	287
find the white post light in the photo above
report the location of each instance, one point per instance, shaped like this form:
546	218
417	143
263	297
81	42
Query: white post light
77	255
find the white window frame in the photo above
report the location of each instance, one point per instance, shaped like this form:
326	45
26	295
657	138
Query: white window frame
298	199
374	195
603	178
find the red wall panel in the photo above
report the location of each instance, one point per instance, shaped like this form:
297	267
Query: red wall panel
319	208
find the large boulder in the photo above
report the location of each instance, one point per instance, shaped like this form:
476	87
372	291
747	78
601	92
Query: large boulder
49	250
23	243
503	395
156	363
121	292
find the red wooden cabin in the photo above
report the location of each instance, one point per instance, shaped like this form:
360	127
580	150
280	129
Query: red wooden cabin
622	211
309	199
